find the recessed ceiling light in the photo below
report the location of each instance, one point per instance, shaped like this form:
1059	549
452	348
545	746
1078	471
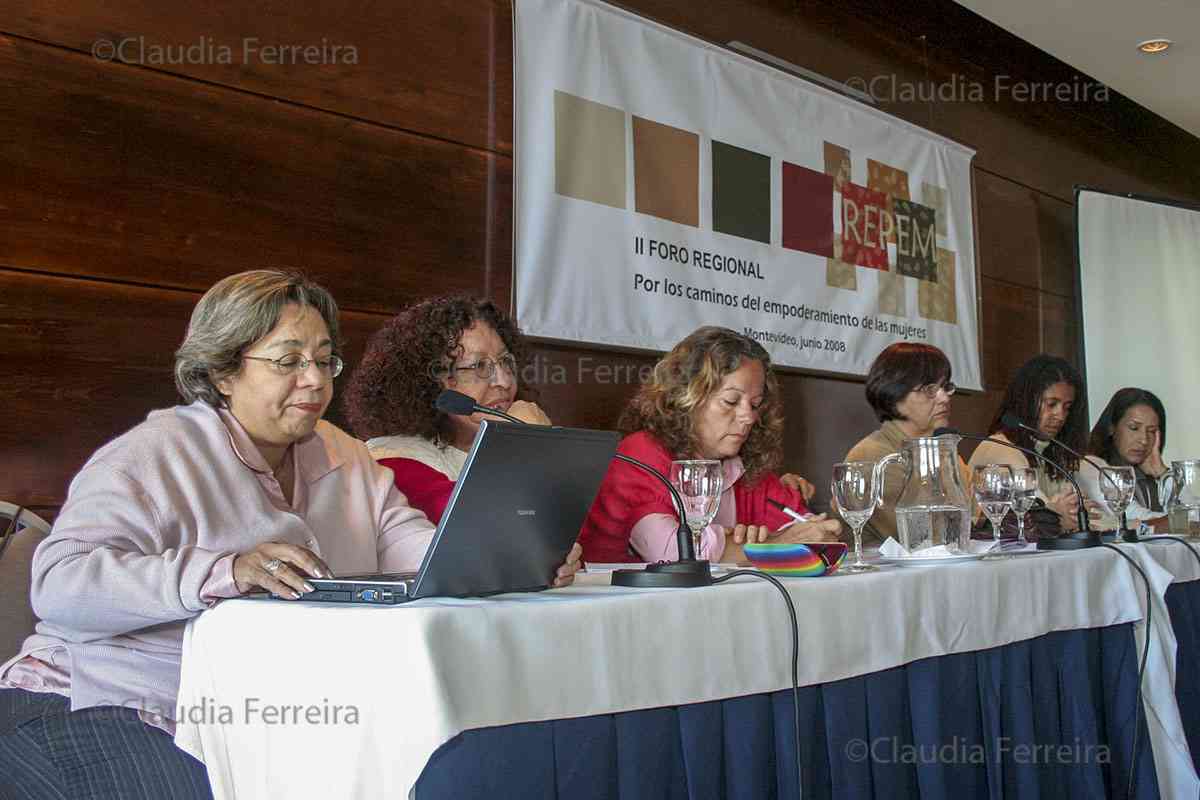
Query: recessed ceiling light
1154	45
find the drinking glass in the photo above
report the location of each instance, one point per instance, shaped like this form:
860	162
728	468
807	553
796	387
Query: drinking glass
855	497
1117	484
1025	487
993	484
699	482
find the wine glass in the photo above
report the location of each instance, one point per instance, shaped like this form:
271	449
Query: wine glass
699	482
1117	484
854	494
993	484
1025	488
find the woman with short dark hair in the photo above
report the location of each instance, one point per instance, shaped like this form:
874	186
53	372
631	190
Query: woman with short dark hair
714	396
909	388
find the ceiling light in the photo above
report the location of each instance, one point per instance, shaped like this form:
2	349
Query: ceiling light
1154	45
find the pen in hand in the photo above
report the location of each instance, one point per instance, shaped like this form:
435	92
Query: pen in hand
796	515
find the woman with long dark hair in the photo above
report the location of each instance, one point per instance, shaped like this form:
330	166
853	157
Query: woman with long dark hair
1132	432
1046	393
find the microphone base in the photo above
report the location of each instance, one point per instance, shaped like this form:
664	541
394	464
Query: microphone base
1071	541
665	575
1129	535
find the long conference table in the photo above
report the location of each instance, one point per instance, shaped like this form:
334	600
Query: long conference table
1004	677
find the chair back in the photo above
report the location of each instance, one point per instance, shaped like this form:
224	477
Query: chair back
16	560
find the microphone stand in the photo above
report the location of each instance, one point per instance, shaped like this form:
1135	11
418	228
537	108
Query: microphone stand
1071	541
1010	420
687	572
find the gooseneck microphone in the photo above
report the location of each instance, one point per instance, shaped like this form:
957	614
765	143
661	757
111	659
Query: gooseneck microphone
685	572
1086	536
1010	420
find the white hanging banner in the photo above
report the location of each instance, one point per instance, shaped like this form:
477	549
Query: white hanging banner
662	183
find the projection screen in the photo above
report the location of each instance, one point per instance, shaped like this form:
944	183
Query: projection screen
1139	279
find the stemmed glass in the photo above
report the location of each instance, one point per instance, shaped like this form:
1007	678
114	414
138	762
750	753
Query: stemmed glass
1025	487
699	482
993	484
855	496
1117	484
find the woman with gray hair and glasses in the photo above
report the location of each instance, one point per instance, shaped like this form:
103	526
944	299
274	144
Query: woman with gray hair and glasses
243	489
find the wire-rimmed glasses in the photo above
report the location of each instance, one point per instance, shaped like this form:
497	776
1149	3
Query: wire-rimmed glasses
294	362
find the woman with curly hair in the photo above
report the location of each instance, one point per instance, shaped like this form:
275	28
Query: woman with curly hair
459	343
1046	394
713	396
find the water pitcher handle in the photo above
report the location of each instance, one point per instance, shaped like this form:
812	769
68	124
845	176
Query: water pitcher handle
878	473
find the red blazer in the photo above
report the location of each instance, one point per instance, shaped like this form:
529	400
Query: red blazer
628	494
426	489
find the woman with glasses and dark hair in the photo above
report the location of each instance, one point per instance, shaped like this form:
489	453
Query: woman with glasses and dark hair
458	343
909	388
713	396
1046	394
1131	432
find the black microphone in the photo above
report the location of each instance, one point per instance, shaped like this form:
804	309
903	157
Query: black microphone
461	405
1086	537
687	571
1010	420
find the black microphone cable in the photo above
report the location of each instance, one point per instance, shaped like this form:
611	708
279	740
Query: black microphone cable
787	598
1137	709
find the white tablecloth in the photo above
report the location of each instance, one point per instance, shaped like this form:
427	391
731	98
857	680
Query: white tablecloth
417	675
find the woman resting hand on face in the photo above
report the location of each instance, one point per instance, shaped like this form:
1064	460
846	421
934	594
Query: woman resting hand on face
1131	432
713	396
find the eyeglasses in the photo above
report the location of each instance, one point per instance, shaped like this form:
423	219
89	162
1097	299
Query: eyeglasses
930	390
294	362
485	368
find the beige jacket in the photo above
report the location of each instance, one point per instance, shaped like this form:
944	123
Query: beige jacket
885	441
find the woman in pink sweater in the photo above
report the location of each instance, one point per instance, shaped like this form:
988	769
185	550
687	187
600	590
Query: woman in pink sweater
243	489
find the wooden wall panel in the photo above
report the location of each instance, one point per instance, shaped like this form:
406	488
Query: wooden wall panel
93	359
442	68
1007	232
132	175
126	190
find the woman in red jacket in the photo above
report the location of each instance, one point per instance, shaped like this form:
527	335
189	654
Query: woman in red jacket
713	396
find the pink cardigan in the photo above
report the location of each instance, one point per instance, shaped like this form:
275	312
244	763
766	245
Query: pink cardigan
153	512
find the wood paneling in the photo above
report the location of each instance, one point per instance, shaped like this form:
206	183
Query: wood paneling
126	190
93	358
1007	232
1056	245
132	175
1012	330
442	68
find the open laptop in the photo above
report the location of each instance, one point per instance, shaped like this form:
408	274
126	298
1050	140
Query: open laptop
515	513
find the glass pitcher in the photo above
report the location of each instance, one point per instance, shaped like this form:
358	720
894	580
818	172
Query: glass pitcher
933	508
1183	503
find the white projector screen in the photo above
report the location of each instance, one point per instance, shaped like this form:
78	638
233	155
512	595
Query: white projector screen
1139	279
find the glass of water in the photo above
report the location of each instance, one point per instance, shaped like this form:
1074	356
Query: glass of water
1025	488
1117	484
855	496
993	485
699	482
